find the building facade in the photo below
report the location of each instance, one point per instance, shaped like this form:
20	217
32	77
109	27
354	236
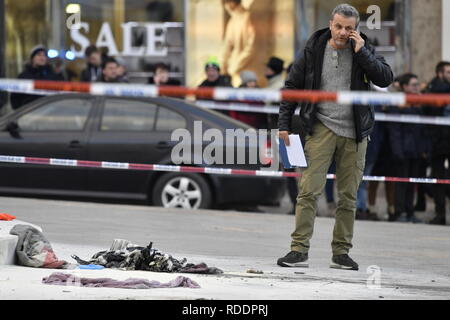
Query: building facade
413	36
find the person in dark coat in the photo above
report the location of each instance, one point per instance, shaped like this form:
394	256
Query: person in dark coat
373	149
213	76
110	72
440	141
161	76
337	58
215	79
408	144
61	72
93	70
255	119
37	69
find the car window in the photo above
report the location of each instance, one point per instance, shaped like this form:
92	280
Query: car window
127	115
62	115
169	120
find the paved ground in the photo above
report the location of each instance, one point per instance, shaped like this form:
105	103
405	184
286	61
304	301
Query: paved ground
413	259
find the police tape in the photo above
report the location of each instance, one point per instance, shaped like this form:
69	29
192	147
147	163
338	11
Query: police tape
382	117
190	169
267	109
220	93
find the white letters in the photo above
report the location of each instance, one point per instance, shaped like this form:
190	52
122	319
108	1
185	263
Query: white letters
193	310
213	153
374	21
181	152
74	21
374	279
155	39
106	39
128	49
80	39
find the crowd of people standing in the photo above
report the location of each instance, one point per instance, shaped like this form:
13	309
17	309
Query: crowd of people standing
395	149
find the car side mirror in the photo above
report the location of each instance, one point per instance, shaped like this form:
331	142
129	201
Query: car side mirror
13	129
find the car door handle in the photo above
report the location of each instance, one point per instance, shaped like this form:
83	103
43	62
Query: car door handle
162	145
75	144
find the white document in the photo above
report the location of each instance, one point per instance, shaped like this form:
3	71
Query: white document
295	152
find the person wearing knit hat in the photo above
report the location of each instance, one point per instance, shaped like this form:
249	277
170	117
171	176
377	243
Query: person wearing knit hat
37	69
212	64
93	70
249	79
276	65
36	50
274	75
254	119
38	56
213	76
274	70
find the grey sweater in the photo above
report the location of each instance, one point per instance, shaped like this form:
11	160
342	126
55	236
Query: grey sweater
336	76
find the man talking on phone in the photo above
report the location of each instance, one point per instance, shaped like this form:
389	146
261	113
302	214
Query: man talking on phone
337	58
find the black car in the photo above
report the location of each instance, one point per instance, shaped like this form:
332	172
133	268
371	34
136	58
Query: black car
132	130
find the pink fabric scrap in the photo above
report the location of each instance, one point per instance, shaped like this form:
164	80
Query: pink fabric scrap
65	279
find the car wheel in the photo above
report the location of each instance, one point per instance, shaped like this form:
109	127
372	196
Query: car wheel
182	190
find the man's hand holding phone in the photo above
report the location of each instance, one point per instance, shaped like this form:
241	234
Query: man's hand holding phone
358	40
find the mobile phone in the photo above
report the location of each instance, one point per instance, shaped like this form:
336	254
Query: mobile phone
352	42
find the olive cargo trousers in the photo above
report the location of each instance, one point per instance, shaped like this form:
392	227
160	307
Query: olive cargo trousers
320	148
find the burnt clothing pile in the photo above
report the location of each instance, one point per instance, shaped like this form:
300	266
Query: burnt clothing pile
34	250
127	256
64	279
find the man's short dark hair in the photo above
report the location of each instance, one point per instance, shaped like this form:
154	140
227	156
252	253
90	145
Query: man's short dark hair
404	79
108	61
90	50
347	11
235	1
162	66
441	66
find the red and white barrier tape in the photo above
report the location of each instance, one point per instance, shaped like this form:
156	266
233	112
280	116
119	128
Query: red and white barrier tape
206	170
265	109
141	90
383	117
27	86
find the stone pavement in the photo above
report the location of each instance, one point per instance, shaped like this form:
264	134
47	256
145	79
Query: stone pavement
397	260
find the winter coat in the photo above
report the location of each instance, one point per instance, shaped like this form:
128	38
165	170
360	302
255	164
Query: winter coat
439	136
407	140
91	73
40	73
306	74
222	81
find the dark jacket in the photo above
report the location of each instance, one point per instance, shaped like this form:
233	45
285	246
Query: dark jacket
170	82
40	73
306	74
377	138
439	135
122	79
406	140
222	81
91	73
